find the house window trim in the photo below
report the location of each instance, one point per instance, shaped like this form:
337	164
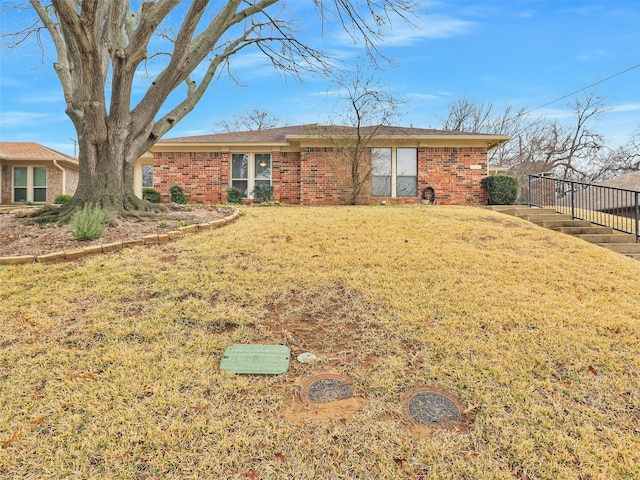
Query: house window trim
30	184
251	171
394	173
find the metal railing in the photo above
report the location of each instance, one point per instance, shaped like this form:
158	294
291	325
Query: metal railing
616	208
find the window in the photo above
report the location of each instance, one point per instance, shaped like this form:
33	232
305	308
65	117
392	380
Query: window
395	172
147	176
406	172
20	184
249	170
381	177
30	184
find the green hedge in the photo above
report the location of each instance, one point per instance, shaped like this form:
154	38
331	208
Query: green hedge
177	194
151	195
62	199
234	195
263	193
501	189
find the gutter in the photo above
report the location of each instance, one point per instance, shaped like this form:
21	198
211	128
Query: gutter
64	176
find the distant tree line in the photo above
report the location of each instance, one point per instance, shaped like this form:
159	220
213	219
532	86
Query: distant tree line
571	151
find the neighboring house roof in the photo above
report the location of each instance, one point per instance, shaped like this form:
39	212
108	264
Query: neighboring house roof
31	151
287	135
628	181
613	194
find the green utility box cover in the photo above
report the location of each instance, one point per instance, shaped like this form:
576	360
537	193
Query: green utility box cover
256	359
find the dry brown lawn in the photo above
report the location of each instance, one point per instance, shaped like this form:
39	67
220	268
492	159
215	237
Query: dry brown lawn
109	366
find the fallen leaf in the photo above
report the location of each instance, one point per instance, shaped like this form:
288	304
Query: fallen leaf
613	289
280	456
402	463
593	370
471	408
521	476
84	375
252	474
579	297
506	329
13	438
566	383
37	395
288	239
37	421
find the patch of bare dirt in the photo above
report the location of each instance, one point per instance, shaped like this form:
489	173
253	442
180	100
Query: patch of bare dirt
334	323
18	238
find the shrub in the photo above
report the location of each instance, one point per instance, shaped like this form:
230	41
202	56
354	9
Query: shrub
262	193
501	189
151	195
234	195
89	223
177	194
62	199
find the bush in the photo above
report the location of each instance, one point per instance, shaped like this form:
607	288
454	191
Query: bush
234	195
501	189
89	223
62	199
177	194
263	193
151	195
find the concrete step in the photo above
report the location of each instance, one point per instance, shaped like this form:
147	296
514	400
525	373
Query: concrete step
553	224
635	256
625	248
583	230
541	217
524	211
606	238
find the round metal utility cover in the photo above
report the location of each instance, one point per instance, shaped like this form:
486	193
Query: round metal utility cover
431	407
326	388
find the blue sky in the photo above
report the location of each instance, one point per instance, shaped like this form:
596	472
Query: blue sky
523	53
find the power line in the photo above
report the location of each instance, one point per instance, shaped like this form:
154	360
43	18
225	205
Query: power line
584	88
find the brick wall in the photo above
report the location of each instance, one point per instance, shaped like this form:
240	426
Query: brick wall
448	171
54	182
204	176
6	184
320	176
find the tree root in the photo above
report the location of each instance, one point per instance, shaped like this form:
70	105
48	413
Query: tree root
132	209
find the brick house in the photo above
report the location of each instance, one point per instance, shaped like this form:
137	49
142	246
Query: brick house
30	172
311	165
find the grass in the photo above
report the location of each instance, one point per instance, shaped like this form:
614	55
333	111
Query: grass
109	366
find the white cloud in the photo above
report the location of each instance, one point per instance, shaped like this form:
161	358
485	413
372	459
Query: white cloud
426	27
400	34
45	98
19	119
626	107
427	96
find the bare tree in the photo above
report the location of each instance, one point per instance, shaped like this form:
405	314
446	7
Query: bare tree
623	159
256	119
369	108
102	45
571	151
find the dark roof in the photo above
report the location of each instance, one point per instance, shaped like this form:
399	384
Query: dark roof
283	134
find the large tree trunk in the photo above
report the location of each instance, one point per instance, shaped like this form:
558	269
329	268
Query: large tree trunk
106	178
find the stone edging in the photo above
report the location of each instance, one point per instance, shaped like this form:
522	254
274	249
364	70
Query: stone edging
113	247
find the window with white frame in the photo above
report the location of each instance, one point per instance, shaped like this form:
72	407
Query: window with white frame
249	170
30	184
394	172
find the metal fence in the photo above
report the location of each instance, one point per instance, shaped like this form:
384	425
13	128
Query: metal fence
617	208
